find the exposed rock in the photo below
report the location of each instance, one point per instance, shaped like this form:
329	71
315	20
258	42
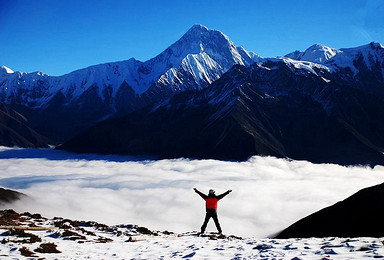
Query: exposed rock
29	237
9	217
26	252
47	248
72	235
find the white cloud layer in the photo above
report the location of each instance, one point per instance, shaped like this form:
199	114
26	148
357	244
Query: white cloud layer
268	193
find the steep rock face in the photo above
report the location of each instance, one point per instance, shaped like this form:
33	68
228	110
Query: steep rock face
357	216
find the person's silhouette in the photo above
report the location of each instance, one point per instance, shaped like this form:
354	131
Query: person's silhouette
211	207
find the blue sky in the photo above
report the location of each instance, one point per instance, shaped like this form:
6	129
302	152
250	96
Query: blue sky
57	37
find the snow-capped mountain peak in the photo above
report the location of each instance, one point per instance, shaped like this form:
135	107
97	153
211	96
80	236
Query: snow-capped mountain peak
198	58
317	53
215	43
366	55
196	29
197	39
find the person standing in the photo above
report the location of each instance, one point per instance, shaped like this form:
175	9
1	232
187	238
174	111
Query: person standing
211	207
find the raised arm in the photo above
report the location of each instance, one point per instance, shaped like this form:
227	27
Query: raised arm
200	193
224	194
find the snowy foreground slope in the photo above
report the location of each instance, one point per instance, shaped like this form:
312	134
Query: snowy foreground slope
34	236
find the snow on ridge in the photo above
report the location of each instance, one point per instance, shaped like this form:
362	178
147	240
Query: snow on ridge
202	67
319	53
339	58
202	54
6	69
298	64
218	55
364	48
197	28
108	74
209	52
171	78
249	54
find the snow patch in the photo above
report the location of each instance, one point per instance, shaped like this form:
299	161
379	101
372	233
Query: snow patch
6	69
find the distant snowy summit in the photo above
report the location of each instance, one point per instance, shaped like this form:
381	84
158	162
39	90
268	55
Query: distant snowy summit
335	59
317	53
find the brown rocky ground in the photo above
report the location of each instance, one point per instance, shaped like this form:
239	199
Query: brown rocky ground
33	235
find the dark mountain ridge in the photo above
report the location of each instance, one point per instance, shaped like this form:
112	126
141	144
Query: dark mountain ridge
14	130
360	215
267	108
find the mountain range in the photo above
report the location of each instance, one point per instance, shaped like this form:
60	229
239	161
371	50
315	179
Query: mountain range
205	97
84	97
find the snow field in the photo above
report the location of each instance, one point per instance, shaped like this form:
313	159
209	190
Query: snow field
188	246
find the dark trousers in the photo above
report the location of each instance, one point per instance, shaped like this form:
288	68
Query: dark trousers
211	213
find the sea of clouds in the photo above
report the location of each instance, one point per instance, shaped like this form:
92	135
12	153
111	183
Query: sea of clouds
268	194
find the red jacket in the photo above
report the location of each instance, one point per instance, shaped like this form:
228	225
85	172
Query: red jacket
211	200
211	203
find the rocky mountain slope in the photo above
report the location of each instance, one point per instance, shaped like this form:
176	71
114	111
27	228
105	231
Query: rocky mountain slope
280	107
357	216
14	130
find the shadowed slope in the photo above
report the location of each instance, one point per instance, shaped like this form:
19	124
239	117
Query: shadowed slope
15	132
360	215
7	196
